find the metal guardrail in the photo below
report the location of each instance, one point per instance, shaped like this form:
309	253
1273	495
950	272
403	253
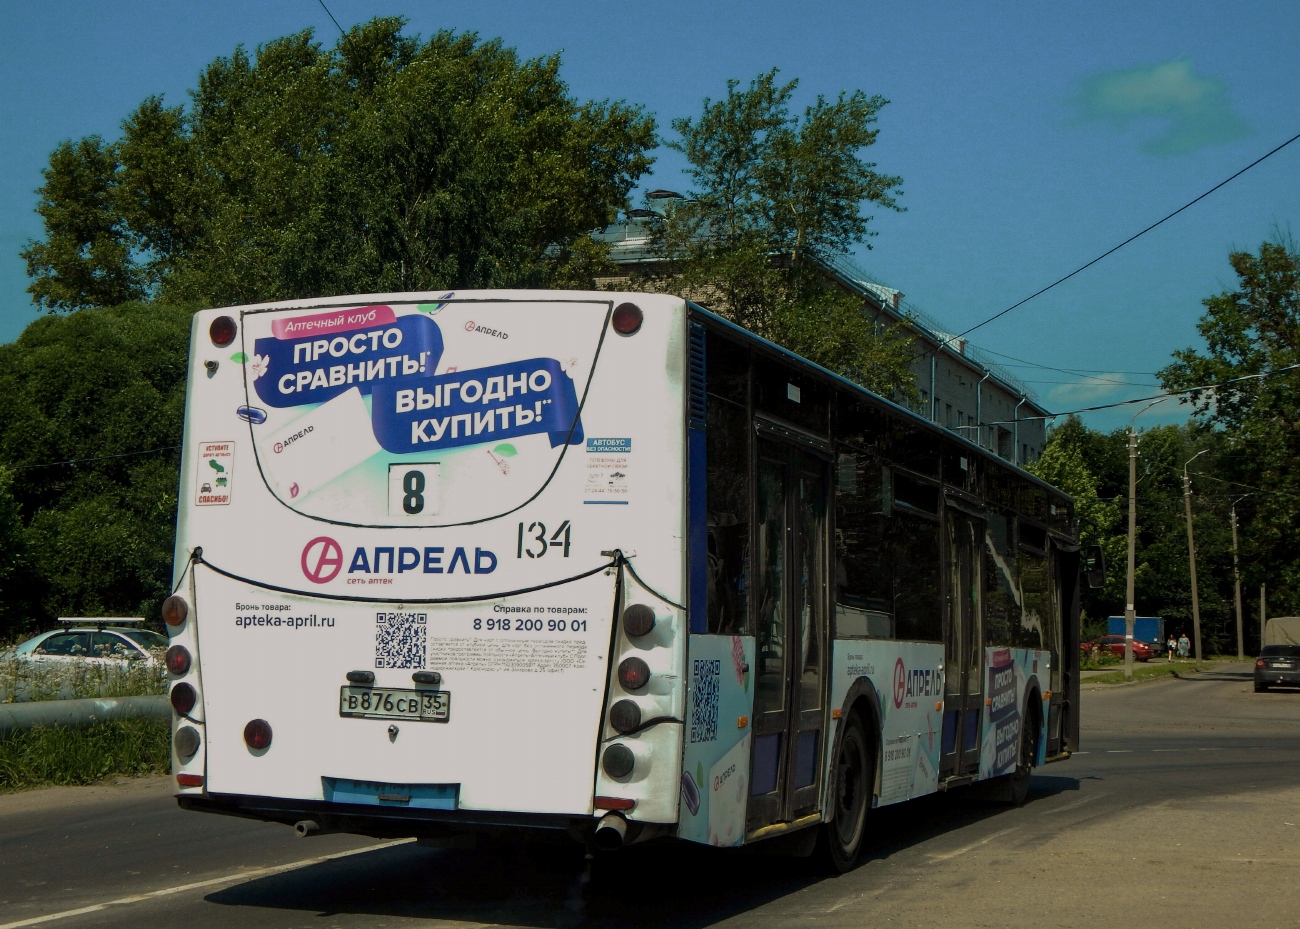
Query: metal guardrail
76	714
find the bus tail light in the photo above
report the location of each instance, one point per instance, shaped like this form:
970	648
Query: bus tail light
625	716
618	761
627	319
187	742
183	698
222	331
178	660
638	620
174	610
257	734
633	673
189	780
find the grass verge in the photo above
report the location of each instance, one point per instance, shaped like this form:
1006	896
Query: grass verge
58	756
1148	672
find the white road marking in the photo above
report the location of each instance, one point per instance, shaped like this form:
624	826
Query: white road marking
237	878
945	856
1070	806
1109	751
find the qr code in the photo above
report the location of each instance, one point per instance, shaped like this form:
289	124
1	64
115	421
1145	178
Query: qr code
400	639
704	700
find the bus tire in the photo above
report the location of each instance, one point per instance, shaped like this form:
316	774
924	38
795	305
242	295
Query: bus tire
1018	780
852	780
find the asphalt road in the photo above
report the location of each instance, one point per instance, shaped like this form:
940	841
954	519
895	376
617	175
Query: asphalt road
1183	810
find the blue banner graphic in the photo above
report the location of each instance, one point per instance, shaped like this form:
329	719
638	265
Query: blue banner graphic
295	372
475	406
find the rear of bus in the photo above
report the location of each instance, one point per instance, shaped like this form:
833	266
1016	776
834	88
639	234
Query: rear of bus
408	527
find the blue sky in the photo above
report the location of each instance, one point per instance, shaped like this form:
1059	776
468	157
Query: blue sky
1031	137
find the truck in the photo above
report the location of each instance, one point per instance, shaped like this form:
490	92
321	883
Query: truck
1149	629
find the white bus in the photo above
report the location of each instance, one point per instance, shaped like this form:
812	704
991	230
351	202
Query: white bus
597	564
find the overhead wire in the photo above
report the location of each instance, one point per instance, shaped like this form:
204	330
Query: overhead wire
1108	252
1118	403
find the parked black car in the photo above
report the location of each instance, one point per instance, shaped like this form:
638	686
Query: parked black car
1277	664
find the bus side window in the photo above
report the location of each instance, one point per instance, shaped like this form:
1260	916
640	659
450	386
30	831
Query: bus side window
727	449
864	591
917	608
1000	582
1035	596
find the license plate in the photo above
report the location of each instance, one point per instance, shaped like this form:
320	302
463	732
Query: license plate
1286	665
417	706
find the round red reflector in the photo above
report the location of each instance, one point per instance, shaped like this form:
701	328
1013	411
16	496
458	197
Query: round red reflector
627	318
178	660
625	716
257	734
183	698
638	619
222	331
174	610
633	673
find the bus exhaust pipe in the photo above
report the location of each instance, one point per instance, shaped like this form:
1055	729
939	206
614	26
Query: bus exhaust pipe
611	832
307	827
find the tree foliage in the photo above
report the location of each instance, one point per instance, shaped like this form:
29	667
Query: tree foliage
1254	329
93	408
383	164
774	196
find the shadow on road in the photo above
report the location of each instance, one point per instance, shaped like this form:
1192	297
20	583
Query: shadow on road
673	884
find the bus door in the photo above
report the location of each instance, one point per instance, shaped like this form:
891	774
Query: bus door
791	601
963	708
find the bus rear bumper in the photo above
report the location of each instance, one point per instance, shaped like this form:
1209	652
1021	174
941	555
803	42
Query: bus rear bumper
393	823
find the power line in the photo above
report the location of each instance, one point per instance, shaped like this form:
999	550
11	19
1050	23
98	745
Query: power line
1109	252
1172	393
331	16
1038	364
71	461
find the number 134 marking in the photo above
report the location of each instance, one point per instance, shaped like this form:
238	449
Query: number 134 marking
535	543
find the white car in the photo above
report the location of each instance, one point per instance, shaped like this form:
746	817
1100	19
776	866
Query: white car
101	644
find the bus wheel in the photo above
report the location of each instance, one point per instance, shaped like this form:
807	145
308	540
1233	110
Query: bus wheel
1018	780
841	838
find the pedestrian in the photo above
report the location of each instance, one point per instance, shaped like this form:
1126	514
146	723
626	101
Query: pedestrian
1184	646
1170	646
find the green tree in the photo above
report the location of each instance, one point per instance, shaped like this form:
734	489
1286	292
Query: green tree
383	164
1254	329
774	197
93	407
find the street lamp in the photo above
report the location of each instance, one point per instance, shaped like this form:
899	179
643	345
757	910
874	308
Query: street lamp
1191	553
1130	613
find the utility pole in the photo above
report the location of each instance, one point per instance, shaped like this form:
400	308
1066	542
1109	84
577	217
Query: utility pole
1262	617
1236	583
1191	554
1130	612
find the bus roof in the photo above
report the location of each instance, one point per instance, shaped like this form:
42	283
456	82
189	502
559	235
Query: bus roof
838	379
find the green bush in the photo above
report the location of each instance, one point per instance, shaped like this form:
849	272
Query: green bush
58	756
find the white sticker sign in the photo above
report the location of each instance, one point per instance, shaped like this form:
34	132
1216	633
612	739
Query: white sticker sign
216	463
607	470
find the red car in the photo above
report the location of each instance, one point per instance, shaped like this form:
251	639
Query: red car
1141	650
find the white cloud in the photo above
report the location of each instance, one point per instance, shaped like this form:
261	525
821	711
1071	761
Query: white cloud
1194	109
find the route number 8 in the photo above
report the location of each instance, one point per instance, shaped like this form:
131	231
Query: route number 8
413	499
